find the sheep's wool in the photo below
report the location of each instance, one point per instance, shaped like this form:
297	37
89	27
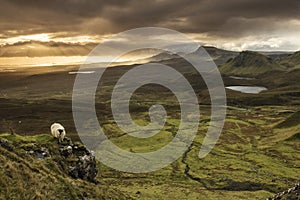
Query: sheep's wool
58	131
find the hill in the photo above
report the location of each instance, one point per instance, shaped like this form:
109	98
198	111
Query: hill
43	165
249	63
162	57
276	55
291	61
220	56
254	158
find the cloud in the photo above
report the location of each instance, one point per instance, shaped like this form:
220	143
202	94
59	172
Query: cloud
215	18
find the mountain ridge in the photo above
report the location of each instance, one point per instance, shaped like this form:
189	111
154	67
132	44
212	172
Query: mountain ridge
250	63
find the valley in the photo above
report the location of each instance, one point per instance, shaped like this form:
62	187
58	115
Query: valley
256	156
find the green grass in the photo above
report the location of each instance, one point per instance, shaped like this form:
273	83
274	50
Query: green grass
291	121
249	64
241	166
257	154
25	177
253	159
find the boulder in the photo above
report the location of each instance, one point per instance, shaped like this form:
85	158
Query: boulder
85	168
5	144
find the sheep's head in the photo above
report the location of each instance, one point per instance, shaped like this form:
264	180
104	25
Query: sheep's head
61	131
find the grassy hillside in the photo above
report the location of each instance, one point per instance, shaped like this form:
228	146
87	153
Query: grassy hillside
252	160
292	61
24	176
255	158
220	56
249	63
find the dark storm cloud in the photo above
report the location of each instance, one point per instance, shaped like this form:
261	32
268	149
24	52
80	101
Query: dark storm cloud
218	17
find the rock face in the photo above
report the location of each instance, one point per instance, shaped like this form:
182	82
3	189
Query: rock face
85	168
81	161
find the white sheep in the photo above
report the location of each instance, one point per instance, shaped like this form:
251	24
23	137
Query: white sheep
58	131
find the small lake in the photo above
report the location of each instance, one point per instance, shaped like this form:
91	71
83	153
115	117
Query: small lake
247	89
82	72
241	78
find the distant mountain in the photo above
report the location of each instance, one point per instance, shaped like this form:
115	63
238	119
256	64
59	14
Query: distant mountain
275	55
249	63
162	57
230	62
39	49
291	61
220	56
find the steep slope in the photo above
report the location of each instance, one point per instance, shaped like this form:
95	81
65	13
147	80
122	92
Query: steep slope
291	121
31	167
292	61
249	63
220	56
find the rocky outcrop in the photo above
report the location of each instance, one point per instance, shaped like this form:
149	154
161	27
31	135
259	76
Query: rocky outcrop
39	152
84	166
4	143
81	162
38	167
73	159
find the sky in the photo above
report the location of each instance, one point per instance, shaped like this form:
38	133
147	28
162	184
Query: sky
268	25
